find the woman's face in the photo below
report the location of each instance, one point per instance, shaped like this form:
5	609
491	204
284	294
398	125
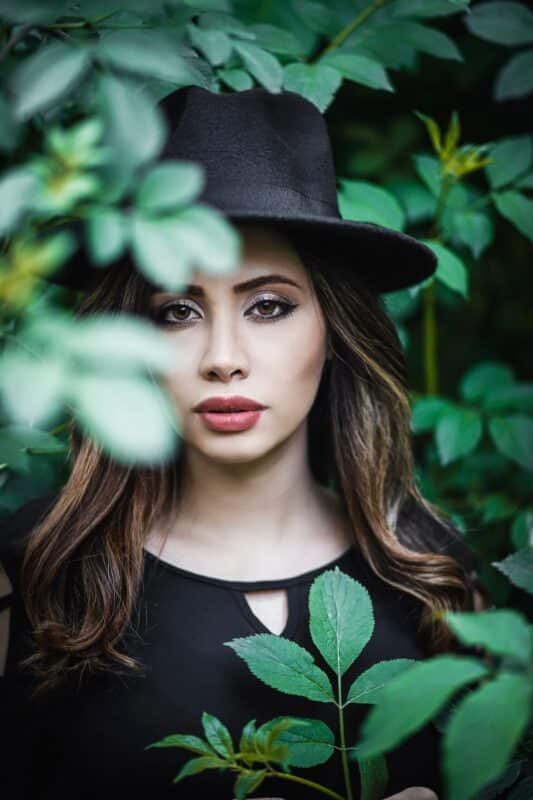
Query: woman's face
267	343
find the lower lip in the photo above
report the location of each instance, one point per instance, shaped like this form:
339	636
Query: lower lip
232	421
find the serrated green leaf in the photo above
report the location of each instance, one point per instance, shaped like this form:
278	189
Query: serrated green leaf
247	735
518	567
310	742
186	741
513	436
482	734
458	432
368	686
341	619
318	83
196	765
159	253
217	735
419	693
501	631
247	782
214	45
236	79
473	229
284	665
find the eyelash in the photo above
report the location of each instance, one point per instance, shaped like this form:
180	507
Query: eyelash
289	309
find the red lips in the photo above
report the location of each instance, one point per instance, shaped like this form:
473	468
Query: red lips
227	404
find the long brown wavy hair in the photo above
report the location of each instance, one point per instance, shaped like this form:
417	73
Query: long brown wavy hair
82	569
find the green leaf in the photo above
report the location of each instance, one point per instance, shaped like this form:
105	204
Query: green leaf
502	631
318	83
518	567
47	76
317	16
360	69
511	157
32	11
481	378
118	343
427	411
428	169
225	22
368	686
458	433
217	735
214	45
309	744
473	230
158	252
131	418
341	620
236	79
148	52
107	234
516	77
277	40
135	128
284	665
427	8
451	271
247	736
419	693
502	22
264	67
374	776
482	734
20	373
365	202
522	530
212	241
247	782
187	741
517	397
517	208
19	190
426	40
196	765
169	185
513	436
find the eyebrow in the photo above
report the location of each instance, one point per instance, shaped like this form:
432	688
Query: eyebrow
197	291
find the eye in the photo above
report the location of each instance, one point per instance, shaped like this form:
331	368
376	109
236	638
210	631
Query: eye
179	309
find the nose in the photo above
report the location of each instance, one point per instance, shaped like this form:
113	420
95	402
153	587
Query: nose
224	351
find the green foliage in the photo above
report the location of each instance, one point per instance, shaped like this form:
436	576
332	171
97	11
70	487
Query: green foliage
405	695
80	139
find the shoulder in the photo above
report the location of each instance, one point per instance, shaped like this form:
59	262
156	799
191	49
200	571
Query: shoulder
16	527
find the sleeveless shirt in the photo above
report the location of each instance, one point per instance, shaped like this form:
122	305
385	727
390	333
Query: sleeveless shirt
89	741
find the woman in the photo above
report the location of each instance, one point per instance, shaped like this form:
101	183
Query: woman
128	581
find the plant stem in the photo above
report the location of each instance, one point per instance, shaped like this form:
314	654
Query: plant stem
345	32
306	782
344	756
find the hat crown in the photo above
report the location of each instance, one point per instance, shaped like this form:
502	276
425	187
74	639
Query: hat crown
261	151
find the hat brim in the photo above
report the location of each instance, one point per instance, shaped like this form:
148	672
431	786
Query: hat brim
385	259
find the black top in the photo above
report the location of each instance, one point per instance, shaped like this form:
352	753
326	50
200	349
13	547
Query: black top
89	742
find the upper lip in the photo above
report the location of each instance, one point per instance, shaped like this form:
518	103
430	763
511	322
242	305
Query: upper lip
233	403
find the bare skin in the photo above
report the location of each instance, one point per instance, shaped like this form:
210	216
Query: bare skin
250	505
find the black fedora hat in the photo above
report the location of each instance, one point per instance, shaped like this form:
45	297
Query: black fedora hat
267	157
